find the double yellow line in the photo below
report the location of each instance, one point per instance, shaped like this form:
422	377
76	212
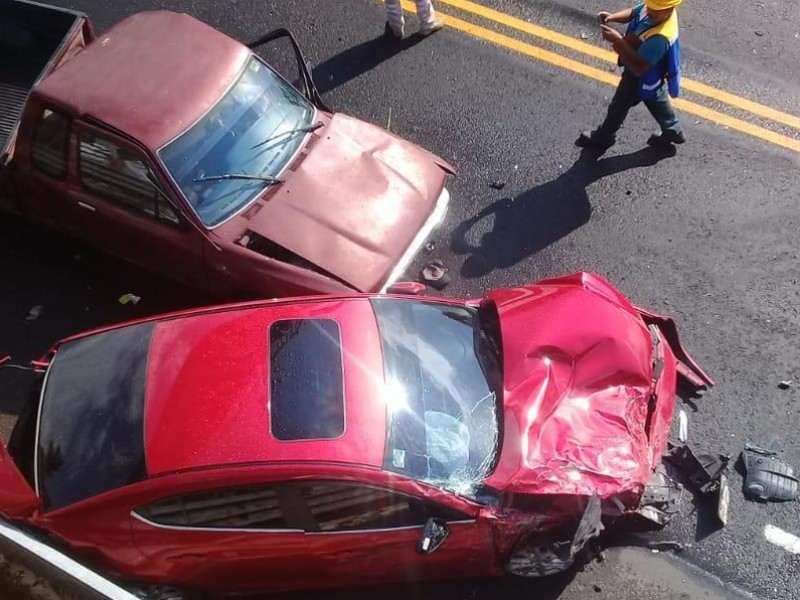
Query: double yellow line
596	52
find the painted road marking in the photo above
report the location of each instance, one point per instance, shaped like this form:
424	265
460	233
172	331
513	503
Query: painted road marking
611	79
601	53
782	539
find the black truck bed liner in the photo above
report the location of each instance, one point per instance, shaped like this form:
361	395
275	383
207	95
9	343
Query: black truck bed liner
30	36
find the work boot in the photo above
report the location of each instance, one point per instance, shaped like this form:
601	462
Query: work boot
428	28
395	33
590	139
665	138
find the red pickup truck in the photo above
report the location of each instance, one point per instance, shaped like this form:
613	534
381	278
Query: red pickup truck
171	145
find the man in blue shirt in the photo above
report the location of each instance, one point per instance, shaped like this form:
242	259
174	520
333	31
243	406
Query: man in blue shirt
650	54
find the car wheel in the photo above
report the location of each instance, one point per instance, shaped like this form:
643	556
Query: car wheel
163	592
540	558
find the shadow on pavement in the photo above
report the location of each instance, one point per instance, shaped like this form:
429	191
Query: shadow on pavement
355	61
543	215
507	588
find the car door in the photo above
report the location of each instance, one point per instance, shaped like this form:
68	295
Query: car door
223	539
125	214
42	168
368	534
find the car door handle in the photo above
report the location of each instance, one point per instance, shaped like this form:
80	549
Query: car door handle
88	207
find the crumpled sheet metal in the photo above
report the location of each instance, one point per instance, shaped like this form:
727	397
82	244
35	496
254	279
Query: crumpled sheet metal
578	377
535	557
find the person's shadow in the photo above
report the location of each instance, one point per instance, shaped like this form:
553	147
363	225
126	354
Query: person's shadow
543	215
350	63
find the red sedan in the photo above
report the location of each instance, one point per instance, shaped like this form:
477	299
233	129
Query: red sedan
344	440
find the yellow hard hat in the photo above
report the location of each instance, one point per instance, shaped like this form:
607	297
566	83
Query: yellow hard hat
662	4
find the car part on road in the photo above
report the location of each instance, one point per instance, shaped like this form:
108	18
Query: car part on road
768	479
539	557
661	499
705	474
435	274
703	471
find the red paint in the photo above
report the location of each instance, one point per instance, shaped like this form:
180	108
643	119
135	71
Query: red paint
579	392
352	202
195	418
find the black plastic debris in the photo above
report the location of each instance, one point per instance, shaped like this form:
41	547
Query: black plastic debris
497	185
769	478
705	475
667	546
661	498
435	274
702	471
785	384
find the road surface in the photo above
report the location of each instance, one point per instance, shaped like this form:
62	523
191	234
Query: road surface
708	235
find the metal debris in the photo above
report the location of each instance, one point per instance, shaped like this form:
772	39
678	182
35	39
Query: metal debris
129	299
768	479
34	313
435	274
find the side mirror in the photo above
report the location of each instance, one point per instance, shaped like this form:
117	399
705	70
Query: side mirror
433	535
409	288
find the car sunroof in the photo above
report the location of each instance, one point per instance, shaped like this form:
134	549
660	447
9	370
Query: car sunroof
306	380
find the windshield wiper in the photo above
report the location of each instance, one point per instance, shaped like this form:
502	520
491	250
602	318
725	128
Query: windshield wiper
277	136
266	178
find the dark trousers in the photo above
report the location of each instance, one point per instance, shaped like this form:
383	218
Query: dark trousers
626	97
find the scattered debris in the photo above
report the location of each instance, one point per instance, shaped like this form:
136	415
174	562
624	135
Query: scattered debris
34	313
759	33
785	384
683	426
435	274
129	299
705	473
597	588
497	185
768	479
661	498
628	192
667	545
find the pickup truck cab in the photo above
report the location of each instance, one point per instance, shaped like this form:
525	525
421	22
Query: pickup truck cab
170	145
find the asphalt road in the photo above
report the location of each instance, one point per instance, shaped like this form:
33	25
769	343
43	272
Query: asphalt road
709	235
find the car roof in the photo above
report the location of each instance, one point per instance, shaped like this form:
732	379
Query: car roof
151	76
207	389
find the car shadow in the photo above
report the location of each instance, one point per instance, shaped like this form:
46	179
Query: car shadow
530	222
355	61
508	588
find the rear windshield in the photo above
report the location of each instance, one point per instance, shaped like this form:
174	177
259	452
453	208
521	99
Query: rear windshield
91	432
306	380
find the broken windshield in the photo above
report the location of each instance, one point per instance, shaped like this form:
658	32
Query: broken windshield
442	380
222	162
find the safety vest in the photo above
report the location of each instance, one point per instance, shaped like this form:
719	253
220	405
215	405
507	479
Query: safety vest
668	68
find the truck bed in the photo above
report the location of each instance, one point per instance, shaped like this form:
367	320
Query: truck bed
30	36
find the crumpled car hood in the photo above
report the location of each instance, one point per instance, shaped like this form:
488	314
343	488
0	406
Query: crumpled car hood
353	201
577	369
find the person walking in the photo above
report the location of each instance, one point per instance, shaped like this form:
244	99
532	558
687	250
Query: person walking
649	53
429	21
